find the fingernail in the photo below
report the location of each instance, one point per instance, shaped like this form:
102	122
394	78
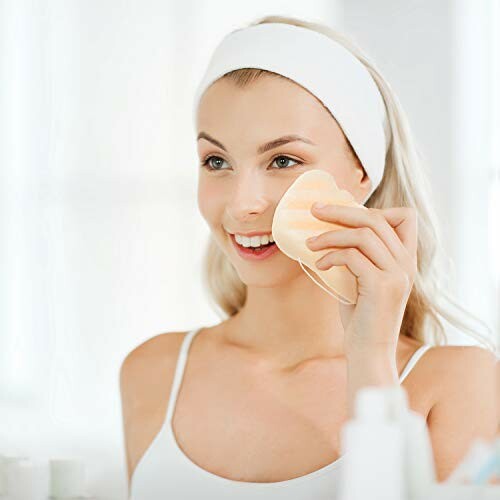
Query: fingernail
319	205
311	239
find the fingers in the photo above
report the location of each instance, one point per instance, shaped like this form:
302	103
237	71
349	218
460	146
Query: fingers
404	221
352	258
396	228
362	238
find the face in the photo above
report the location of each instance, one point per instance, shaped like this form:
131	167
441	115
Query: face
240	184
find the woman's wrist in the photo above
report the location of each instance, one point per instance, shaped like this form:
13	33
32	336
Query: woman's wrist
371	367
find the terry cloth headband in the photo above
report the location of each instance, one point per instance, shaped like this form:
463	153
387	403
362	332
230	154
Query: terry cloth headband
325	68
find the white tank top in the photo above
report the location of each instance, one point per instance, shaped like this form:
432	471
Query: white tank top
165	472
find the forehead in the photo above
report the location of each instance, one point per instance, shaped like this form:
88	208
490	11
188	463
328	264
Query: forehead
271	103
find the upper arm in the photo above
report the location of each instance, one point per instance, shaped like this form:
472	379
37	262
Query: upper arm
142	402
467	406
130	399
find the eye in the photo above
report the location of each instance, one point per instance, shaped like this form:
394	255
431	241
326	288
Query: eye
286	160
206	162
210	166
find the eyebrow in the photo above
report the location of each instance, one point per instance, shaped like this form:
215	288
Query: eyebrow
265	147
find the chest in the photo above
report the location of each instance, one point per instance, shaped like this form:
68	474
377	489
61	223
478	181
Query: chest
250	426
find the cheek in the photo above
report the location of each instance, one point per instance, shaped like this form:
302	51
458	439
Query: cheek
342	173
343	167
210	201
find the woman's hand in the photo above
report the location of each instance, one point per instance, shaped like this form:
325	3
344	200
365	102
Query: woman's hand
380	248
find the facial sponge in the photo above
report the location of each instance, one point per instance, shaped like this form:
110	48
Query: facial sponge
293	223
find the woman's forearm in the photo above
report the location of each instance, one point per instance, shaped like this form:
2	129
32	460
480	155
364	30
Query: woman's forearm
375	367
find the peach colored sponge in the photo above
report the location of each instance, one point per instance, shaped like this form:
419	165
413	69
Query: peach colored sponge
293	223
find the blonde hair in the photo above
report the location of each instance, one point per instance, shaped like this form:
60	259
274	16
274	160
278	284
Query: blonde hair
403	184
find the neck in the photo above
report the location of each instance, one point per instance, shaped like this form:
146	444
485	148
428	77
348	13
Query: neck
284	327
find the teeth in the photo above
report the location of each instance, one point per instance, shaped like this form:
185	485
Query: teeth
254	241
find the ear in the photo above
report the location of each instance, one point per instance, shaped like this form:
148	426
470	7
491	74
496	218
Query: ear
364	187
366	182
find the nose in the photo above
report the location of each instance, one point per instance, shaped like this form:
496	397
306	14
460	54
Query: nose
251	197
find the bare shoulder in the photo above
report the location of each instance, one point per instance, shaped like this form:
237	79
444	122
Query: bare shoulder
459	366
466	405
144	361
160	346
143	402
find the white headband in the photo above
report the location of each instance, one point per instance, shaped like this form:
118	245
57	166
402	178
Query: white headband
322	66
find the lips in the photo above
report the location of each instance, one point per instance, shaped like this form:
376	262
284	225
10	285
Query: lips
249	254
251	233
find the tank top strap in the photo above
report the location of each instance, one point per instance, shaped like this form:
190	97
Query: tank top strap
179	371
413	360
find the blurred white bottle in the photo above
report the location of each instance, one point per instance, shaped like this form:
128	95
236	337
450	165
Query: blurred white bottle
373	449
5	462
67	478
27	479
470	466
419	467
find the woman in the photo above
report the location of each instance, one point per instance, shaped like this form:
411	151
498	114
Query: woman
266	391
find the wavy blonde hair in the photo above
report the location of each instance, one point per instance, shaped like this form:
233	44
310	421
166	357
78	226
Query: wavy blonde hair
403	184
